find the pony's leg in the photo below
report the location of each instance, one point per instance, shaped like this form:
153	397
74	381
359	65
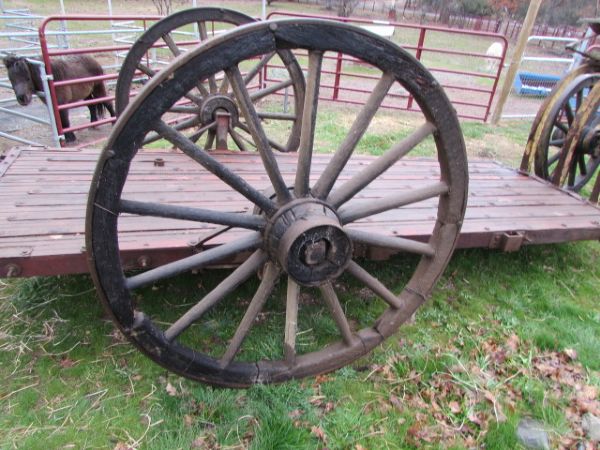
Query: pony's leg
109	108
93	114
64	120
99	91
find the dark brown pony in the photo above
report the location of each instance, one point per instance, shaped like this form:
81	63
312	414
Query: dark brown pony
26	81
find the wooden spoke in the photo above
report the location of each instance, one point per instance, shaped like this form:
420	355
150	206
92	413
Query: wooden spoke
557	142
146	70
359	181
202	90
554	158
256	96
273	144
247	221
569	113
361	123
277	116
239	141
258	134
153	137
374	285
270	277
309	118
579	100
225	287
212	83
203	34
392	243
210	139
215	167
572	172
291	321
359	210
258	67
171	44
208	257
224	86
562	126
595	191
198	134
182	109
582	165
337	313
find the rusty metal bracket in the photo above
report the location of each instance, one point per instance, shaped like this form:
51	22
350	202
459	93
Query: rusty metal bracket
509	241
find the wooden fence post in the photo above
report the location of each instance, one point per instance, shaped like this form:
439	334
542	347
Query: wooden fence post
532	12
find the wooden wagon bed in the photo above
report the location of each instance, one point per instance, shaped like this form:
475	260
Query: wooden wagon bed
43	196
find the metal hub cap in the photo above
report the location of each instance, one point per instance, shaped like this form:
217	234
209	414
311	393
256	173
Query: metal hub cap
307	240
216	103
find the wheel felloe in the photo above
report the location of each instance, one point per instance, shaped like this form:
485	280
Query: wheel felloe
302	236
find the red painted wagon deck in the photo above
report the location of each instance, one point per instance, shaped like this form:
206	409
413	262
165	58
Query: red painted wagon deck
43	196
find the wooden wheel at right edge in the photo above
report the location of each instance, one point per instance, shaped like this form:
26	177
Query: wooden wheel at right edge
552	122
307	222
580	156
544	123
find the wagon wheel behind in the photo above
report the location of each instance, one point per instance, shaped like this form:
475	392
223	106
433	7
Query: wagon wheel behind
580	155
544	128
208	110
308	219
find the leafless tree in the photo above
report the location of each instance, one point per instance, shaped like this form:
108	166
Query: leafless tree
164	7
346	7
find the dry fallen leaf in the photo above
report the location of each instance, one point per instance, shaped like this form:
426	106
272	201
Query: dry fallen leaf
319	433
123	446
454	407
171	390
395	401
513	342
571	353
65	363
295	413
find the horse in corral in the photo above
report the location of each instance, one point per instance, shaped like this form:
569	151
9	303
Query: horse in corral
26	81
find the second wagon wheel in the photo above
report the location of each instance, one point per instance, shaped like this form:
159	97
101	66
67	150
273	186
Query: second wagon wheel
555	117
209	99
581	150
285	312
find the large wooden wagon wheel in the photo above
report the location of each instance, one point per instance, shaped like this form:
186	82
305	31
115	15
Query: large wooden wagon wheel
580	155
304	227
553	121
207	108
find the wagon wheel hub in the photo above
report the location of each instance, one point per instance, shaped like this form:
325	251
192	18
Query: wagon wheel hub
589	142
217	104
307	240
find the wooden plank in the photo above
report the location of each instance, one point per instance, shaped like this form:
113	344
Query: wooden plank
44	193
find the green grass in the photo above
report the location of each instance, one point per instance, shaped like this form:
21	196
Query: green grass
70	379
473	361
